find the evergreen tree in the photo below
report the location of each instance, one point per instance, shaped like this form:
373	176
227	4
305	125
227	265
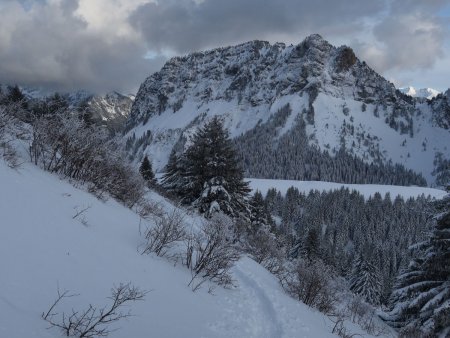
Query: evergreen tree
311	245
146	170
208	175
50	105
421	297
259	241
365	280
173	179
260	216
15	94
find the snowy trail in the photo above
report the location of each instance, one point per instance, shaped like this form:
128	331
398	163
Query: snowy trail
259	308
261	303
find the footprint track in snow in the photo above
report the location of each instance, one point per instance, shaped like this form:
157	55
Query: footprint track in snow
262	303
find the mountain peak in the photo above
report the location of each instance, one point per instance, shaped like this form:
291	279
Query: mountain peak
341	100
315	38
427	93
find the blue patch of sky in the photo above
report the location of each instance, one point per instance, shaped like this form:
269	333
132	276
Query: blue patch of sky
28	4
153	55
445	11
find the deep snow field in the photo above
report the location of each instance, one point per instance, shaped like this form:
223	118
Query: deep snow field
367	190
43	248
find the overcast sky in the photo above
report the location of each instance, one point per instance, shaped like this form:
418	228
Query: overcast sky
103	45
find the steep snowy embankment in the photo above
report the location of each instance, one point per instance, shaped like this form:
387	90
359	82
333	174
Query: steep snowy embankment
43	247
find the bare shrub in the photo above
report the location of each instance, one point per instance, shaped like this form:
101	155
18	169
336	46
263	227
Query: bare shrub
64	144
310	282
265	249
363	314
93	322
359	312
167	231
148	209
340	329
414	332
210	254
10	130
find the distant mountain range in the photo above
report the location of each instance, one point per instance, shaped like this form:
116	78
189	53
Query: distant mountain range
427	93
112	108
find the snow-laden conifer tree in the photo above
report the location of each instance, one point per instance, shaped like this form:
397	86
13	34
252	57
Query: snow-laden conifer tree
421	297
365	280
146	170
208	175
173	177
311	245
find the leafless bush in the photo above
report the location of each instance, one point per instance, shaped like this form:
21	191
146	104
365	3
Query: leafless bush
93	322
9	154
310	282
64	144
10	130
210	254
361	313
340	329
364	315
168	230
149	209
414	332
265	249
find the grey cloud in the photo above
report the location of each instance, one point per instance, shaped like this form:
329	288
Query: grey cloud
51	47
410	37
405	6
185	25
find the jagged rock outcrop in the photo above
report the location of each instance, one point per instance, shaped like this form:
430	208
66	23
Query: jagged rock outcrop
441	109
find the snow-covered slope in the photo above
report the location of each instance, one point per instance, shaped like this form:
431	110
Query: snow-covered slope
427	93
43	247
367	190
345	104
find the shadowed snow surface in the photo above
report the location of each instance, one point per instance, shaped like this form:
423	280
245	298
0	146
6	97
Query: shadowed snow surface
42	247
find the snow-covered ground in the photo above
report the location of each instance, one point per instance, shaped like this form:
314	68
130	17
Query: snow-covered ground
43	247
367	190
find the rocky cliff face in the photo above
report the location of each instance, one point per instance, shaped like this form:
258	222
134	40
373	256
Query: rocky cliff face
344	103
258	73
441	109
111	109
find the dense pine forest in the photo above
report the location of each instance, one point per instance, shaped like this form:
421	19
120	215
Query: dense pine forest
345	230
267	152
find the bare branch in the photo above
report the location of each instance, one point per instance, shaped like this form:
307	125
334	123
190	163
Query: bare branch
80	211
94	322
168	230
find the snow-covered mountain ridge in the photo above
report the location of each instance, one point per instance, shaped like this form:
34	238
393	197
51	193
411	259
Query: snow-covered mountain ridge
344	103
111	107
427	93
